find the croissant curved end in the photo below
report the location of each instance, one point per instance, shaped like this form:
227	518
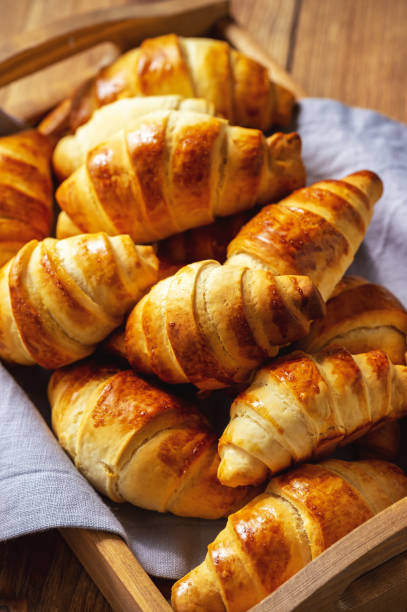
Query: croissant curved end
368	182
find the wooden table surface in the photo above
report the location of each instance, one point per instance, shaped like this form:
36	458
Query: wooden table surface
352	50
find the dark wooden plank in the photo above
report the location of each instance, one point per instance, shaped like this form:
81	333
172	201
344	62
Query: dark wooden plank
42	570
31	93
116	571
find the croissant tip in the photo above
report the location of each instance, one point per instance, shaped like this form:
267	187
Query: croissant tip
368	182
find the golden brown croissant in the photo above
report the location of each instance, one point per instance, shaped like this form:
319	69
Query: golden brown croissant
302	406
71	151
205	242
361	316
315	231
136	442
212	325
59	298
238	86
300	515
25	191
177	170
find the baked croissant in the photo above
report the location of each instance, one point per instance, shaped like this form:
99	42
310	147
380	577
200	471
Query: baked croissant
300	515
59	298
361	316
212	325
71	151
238	86
136	442
315	231
302	406
178	170
205	242
25	191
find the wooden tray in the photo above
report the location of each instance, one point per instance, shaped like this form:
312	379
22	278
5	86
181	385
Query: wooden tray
367	569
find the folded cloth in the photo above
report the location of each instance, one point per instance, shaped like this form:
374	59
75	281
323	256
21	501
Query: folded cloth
338	140
41	488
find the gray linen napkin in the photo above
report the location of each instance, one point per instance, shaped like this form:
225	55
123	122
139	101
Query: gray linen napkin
41	488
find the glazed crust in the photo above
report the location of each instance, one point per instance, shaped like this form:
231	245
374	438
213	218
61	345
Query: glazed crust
205	242
237	86
361	316
25	191
177	170
61	297
315	231
300	515
212	325
136	442
71	151
303	406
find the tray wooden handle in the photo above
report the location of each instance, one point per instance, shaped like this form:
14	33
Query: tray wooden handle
115	570
241	40
353	574
125	26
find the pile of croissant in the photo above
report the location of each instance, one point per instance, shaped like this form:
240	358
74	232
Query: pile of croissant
189	252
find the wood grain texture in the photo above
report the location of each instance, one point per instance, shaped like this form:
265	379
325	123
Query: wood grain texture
241	39
8	605
270	22
42	570
38	50
116	571
355	52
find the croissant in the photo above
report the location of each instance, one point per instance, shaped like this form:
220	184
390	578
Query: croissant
212	325
178	170
71	151
300	515
315	231
302	406
25	191
137	443
59	298
361	316
205	242
237	86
